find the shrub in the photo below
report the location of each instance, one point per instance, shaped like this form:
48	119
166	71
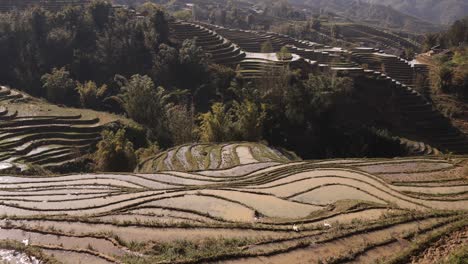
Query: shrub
243	121
215	125
460	256
267	47
151	151
249	120
147	105
115	152
59	87
181	124
284	54
90	94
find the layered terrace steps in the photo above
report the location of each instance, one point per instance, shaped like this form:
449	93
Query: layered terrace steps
420	121
43	139
221	50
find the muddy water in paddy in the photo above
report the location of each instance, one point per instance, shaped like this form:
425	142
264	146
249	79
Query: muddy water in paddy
245	156
268	205
52	192
75	258
411	166
157	234
433	190
115	179
57	198
77	183
83	204
135	218
331	194
354	179
276	167
156	215
366	215
174	179
239	170
315	252
100	245
213	206
426	176
162	212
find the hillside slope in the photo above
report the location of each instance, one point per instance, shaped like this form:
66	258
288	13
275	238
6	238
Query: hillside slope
375	14
35	132
440	12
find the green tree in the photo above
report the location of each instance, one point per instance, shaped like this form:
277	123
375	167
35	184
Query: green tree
248	120
267	47
147	105
115	153
430	40
216	125
59	86
90	95
181	124
284	54
100	12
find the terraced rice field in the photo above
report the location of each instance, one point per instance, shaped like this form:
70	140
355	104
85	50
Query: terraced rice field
35	132
335	211
422	128
197	157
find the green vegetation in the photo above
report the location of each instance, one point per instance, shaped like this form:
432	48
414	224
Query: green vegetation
450	73
115	153
91	96
458	257
242	122
186	250
147	105
284	54
267	47
58	86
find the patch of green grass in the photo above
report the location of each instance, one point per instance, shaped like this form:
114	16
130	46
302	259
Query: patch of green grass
460	256
185	250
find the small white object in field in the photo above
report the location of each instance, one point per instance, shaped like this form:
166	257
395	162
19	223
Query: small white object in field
327	224
25	242
295	228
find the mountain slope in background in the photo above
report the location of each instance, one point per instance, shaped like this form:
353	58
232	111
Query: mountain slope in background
375	14
436	11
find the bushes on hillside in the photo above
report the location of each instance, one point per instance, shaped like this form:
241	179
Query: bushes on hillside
181	124
147	105
115	153
216	125
242	121
91	95
59	86
267	47
284	54
450	74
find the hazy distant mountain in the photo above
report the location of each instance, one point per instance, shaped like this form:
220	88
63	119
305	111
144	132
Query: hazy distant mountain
436	11
375	14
